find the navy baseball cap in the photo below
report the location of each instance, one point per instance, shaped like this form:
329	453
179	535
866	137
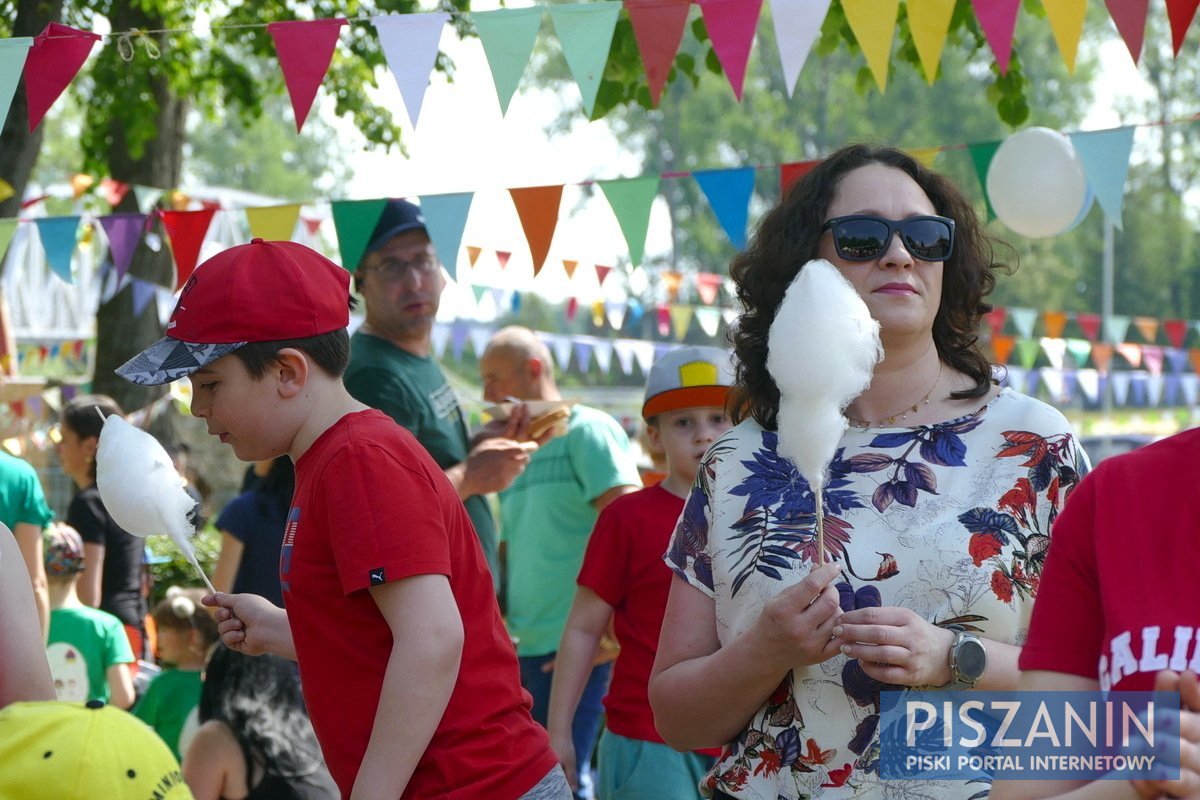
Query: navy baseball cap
399	216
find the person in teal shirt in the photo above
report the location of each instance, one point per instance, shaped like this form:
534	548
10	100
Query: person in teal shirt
24	510
546	517
392	367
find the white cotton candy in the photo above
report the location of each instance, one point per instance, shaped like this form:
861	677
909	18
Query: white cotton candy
141	488
821	353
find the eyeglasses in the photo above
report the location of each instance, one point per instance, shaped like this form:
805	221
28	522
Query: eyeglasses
394	270
863	237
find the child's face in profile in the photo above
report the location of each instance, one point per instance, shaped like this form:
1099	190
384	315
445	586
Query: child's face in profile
685	436
242	411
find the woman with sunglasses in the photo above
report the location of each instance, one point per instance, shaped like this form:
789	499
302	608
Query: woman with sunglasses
937	513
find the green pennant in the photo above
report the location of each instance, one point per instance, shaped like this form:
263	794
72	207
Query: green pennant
1079	349
508	36
479	292
1028	351
354	221
981	156
8	227
585	31
631	200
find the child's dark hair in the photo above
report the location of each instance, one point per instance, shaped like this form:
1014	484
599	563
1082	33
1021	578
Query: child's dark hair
181	610
329	351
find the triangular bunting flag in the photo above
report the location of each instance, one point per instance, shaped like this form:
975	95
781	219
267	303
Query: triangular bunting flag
1089	324
874	24
147	197
797	25
273	223
1190	386
631	201
354	221
1055	350
1120	385
624	351
1102	353
1154	390
1116	328
561	347
143	293
1131	352
1176	329
186	230
311	224
537	206
658	30
671	281
1130	18
58	240
502	257
663	319
982	154
583	353
1079	349
1089	383
1105	157
681	319
113	192
731	25
998	19
410	44
1052	379
603	353
1152	357
1147	327
708	286
1194	357
644	353
1066	23
569	266
1054	322
480	292
12	60
926	155
615	311
728	192
1180	13
440	338
507	36
1002	347
473	254
929	21
445	219
709	320
459	333
124	231
480	335
602	273
1176	359
598	313
6	190
790	173
1023	320
996	319
8	227
585	31
1027	352
57	54
305	48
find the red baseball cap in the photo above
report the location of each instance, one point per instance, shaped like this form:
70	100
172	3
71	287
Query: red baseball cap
298	293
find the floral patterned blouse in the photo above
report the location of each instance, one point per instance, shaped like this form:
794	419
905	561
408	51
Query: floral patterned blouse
950	520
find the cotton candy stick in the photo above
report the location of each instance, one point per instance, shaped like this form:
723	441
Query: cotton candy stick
821	352
141	489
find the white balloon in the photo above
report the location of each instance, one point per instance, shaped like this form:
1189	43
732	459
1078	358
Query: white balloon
1036	183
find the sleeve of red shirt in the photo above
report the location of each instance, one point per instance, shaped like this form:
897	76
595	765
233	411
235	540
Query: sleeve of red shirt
389	516
606	561
1066	632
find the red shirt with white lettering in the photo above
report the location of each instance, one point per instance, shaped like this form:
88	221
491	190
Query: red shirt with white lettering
370	507
1117	600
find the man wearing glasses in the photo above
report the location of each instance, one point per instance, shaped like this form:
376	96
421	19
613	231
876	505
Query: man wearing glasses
392	366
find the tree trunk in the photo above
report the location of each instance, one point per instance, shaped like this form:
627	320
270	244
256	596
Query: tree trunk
120	334
18	147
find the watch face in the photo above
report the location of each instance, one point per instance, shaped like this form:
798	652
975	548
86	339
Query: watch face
970	658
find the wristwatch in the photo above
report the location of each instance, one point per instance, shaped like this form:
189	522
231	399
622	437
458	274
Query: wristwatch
968	659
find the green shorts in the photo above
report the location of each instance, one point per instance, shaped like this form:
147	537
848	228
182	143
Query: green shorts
630	769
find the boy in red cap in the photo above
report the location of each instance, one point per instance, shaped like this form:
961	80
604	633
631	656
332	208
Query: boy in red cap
409	677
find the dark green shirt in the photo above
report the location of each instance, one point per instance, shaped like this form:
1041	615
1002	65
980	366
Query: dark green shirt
413	391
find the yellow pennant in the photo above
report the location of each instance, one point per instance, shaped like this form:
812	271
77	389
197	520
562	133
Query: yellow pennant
874	25
273	223
1066	22
926	155
6	190
929	21
681	320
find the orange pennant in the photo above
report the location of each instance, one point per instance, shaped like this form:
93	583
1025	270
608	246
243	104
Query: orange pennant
537	206
1002	347
671	281
1102	353
473	254
570	266
1055	322
1147	327
80	183
1194	357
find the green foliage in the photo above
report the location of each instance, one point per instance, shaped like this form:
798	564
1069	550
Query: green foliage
178	571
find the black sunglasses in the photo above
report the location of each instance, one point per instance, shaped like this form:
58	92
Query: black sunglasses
863	237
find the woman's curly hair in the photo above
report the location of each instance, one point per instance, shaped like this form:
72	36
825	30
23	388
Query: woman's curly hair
787	238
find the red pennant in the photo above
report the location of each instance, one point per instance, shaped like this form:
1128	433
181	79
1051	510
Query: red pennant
569	266
305	48
602	273
186	230
311	224
790	173
1176	330
1130	18
731	25
502	256
995	319
113	192
57	54
572	308
658	29
663	315
1089	324
708	285
537	206
998	18
1181	13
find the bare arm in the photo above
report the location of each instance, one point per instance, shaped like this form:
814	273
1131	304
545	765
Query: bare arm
88	587
227	562
120	686
794	628
603	500
213	764
24	672
29	539
427	641
252	625
586	625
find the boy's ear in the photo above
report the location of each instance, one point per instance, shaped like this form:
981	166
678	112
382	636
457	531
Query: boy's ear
653	434
291	371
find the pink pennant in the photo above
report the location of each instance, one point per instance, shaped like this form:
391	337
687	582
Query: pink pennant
662	315
57	54
602	273
305	48
708	285
186	230
995	319
658	29
572	308
1180	12
503	256
731	25
998	18
1130	18
113	191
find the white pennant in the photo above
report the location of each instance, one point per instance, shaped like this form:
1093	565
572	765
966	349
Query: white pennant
624	351
480	336
1120	386
1016	378
1054	349
797	25
1154	389
1190	384
441	338
1023	319
644	353
604	354
561	347
1089	383
1052	379
410	44
709	319
615	311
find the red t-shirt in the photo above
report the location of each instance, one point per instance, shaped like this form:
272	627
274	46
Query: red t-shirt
370	507
1117	600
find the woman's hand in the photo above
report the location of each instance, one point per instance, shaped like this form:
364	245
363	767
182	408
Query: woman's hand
798	623
1188	782
895	645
